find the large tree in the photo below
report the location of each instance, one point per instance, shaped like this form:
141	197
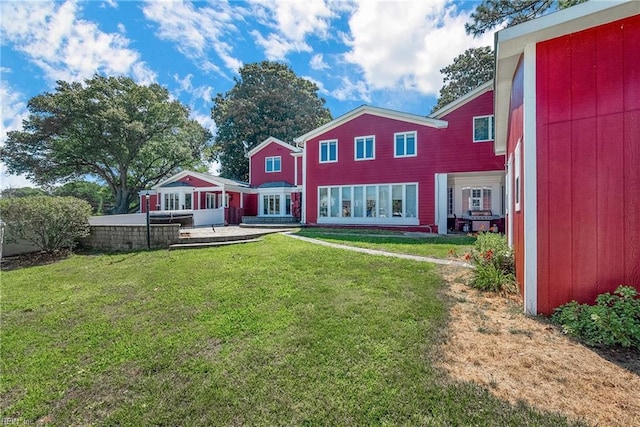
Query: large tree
268	99
491	13
127	135
468	71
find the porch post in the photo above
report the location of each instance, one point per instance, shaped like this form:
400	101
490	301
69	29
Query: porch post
441	202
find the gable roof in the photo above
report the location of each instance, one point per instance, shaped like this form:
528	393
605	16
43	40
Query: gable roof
270	140
213	179
464	99
510	44
375	111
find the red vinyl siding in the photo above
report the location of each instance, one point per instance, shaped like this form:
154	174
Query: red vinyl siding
438	151
153	201
588	110
258	171
457	152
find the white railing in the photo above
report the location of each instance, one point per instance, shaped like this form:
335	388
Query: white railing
208	217
200	217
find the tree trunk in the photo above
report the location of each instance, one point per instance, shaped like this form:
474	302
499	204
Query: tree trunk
122	201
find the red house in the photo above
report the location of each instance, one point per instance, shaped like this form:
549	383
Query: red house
275	171
377	167
208	199
567	109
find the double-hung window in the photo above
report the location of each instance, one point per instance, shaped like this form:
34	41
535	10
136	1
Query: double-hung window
483	129
328	151
365	147
273	164
171	201
405	144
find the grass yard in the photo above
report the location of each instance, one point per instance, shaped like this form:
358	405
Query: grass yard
436	247
271	333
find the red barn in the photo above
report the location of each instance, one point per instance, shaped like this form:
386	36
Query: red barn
567	110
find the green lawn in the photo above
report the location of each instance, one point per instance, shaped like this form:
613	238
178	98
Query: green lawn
280	332
437	247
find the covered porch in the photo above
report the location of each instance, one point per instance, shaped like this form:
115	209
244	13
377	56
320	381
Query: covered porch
198	199
470	202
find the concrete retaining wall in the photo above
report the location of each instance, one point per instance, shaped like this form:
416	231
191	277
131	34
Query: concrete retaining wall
130	237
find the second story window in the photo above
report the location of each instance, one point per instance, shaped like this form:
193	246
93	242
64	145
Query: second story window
483	129
405	144
365	148
273	164
328	151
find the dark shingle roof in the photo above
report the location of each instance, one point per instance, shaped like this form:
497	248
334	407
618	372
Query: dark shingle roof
275	184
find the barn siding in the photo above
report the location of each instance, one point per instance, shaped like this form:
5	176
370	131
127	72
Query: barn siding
516	134
588	99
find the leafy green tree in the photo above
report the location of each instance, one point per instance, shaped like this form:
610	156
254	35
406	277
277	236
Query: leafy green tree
268	99
126	135
22	192
491	13
50	223
98	196
468	71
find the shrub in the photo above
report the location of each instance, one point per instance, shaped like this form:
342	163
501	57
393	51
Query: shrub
614	320
50	223
494	264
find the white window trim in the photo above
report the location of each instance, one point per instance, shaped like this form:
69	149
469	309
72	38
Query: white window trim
272	159
181	199
490	128
328	142
415	138
373	220
283	200
364	141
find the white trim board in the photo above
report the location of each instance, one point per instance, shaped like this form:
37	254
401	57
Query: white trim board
374	111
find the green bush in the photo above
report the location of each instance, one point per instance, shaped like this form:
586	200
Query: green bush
614	320
50	223
494	264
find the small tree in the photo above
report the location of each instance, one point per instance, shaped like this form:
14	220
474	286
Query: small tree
50	223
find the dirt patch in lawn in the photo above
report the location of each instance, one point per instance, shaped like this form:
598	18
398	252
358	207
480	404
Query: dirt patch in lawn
520	358
32	259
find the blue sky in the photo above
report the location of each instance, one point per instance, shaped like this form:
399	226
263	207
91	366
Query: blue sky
382	53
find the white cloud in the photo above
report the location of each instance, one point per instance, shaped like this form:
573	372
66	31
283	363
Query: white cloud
406	43
292	21
352	91
14	110
66	47
198	93
110	3
197	30
317	62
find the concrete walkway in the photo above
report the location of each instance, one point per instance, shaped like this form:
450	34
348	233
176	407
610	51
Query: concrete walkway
382	253
228	231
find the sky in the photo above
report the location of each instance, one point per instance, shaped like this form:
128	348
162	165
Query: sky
382	53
